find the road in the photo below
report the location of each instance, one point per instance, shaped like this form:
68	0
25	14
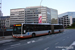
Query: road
59	41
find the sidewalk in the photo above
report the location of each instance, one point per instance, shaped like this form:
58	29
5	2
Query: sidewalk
5	37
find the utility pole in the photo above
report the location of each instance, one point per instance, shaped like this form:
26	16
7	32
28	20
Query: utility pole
3	31
40	15
40	5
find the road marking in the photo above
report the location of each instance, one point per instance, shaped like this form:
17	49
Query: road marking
56	43
73	43
16	44
7	43
28	42
63	49
71	46
33	41
46	48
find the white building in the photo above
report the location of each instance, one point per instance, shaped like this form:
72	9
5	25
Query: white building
30	15
67	18
17	16
49	15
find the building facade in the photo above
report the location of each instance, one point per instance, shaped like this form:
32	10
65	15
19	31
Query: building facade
67	19
31	15
73	20
17	16
7	22
48	15
1	14
3	21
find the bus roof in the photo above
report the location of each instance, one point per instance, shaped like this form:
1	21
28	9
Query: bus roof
41	24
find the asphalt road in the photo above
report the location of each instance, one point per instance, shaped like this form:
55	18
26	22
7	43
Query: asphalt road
60	41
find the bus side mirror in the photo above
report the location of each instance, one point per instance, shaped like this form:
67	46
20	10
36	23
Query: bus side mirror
24	31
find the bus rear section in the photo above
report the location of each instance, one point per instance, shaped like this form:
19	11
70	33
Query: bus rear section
58	28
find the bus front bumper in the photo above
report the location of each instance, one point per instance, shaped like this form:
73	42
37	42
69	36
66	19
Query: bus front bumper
21	36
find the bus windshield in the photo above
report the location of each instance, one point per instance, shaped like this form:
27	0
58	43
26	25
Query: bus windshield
17	30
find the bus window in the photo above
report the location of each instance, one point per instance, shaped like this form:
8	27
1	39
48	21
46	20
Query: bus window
17	30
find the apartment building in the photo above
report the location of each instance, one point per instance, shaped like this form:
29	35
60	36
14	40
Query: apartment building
67	19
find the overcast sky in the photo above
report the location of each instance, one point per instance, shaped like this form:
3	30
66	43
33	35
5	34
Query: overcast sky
61	5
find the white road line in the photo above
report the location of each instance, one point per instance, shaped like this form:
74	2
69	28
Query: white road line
28	42
16	44
7	43
46	48
71	46
73	43
33	41
56	43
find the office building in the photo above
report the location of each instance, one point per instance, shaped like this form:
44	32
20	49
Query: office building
48	15
17	16
67	19
31	15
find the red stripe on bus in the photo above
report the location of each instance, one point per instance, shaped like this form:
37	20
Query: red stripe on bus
41	34
56	32
23	36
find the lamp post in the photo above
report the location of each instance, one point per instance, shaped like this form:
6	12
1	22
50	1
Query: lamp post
40	15
41	2
40	6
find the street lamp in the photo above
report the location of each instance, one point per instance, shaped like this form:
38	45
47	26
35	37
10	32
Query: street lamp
41	2
40	15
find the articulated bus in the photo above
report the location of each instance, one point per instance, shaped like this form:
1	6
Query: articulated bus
32	30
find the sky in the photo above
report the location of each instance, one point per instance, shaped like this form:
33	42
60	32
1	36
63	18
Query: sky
61	5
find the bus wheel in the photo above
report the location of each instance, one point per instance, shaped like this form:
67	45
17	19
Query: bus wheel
49	33
33	35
